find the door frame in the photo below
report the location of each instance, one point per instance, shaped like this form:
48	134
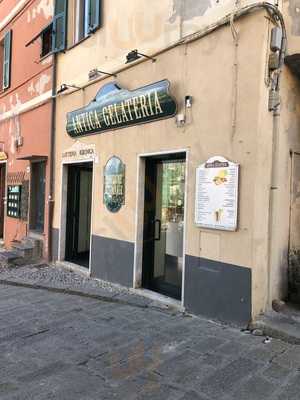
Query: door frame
5	198
139	216
41	234
63	209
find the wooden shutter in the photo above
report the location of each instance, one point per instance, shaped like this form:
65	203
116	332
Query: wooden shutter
94	20
6	59
59	26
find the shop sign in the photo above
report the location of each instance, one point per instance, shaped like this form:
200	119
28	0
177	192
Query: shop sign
114	184
79	151
216	203
115	108
3	156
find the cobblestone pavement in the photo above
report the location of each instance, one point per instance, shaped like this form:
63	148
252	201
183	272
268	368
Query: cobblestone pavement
56	275
61	346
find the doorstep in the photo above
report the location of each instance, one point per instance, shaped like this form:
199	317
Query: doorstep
74	267
161	300
284	325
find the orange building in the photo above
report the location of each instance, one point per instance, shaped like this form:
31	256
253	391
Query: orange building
26	65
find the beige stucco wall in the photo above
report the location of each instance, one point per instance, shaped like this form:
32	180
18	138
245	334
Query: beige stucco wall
286	211
204	70
284	198
135	24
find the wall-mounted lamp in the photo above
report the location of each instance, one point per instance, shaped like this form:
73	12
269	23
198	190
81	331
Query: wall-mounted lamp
188	101
134	55
185	117
94	73
65	86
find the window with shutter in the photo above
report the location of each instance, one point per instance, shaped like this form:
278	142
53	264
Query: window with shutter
94	14
7	41
87	17
59	26
46	40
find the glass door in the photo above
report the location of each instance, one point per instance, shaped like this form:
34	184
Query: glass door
164	226
2	197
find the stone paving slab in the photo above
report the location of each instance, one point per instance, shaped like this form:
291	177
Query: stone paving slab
63	347
86	339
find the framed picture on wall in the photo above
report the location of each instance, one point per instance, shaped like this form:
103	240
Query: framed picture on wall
114	184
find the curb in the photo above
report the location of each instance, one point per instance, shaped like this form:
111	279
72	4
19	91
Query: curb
276	331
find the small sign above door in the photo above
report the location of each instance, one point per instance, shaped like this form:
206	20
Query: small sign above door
115	108
79	151
217	194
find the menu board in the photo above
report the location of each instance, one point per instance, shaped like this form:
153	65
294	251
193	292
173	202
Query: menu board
217	194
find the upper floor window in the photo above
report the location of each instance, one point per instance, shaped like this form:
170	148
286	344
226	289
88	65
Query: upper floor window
81	19
5	60
46	39
84	18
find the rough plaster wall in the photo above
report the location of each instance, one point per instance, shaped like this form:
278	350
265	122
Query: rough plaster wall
149	27
288	142
286	218
294	14
43	7
295	204
291	13
40	86
188	9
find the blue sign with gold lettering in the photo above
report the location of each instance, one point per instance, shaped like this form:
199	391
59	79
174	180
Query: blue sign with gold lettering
115	108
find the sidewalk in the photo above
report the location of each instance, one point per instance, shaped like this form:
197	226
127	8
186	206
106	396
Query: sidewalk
284	325
61	279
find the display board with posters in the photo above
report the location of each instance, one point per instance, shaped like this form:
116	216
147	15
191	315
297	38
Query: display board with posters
216	205
114	184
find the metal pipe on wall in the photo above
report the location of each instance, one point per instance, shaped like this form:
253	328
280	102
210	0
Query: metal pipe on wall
52	159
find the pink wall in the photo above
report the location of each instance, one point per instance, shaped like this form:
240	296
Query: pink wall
28	98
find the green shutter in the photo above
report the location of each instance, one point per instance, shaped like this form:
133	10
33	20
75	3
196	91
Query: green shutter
59	26
94	14
6	59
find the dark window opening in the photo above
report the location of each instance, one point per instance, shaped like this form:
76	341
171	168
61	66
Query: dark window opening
46	37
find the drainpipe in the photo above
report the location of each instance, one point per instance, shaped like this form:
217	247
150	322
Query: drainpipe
52	158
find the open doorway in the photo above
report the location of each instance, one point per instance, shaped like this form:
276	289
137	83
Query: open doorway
2	197
163	234
79	205
37	196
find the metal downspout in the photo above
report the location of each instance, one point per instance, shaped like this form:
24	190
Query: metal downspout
52	159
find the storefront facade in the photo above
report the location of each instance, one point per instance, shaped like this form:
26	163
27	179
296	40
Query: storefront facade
25	123
143	159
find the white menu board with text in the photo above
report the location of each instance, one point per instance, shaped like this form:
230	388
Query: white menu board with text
216	205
